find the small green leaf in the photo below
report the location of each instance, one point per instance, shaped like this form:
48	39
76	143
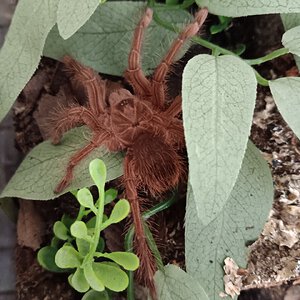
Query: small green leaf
97	170
79	282
46	258
110	195
218	99
91	277
79	230
291	40
104	41
67	220
240	221
94	295
60	230
24	42
101	245
286	93
129	261
68	257
71	15
113	277
85	198
173	283
240	8
45	165
83	246
119	213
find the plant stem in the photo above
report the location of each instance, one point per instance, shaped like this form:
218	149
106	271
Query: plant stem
261	80
268	57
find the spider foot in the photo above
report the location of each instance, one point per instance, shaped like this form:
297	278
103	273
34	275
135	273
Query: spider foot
62	185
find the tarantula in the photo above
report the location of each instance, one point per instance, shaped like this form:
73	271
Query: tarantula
141	124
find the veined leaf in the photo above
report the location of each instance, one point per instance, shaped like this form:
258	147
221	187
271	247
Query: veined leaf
45	165
240	221
289	21
103	43
174	283
291	40
286	95
21	52
239	8
218	97
71	15
67	257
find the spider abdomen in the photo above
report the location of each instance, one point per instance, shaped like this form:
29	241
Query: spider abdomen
156	164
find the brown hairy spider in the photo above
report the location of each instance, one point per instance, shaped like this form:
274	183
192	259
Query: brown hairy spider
141	124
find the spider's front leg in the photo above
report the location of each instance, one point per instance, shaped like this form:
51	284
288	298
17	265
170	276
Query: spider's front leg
134	73
159	76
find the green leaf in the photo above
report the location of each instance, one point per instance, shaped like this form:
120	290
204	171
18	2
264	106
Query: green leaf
240	221
233	8
79	230
174	283
290	21
79	282
92	278
60	230
129	261
67	220
83	246
113	278
119	213
71	15
45	165
218	97
104	42
110	195
85	198
291	40
286	93
46	258
97	170
21	52
68	257
94	295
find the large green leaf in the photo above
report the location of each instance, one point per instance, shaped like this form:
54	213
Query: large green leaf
175	284
218	101
45	166
286	93
290	21
239	8
103	43
71	15
239	222
20	55
291	40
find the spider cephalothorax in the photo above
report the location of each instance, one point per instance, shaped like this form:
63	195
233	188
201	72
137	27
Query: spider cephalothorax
141	124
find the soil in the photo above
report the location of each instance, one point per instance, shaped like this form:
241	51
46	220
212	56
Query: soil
269	257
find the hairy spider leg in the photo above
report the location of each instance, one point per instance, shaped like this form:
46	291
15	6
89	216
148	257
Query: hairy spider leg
147	267
76	158
71	117
94	86
134	73
159	76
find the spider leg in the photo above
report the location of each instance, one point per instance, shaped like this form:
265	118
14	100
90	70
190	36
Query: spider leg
134	73
95	87
71	117
159	76
175	108
147	261
74	160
